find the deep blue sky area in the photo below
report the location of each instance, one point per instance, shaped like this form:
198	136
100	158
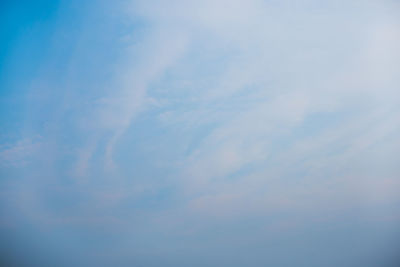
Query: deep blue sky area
27	28
199	133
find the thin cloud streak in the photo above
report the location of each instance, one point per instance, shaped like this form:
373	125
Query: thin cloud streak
223	125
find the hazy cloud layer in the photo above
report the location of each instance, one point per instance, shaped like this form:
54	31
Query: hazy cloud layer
211	133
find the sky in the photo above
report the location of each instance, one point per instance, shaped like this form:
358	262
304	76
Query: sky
153	133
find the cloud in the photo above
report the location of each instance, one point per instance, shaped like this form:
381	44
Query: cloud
20	153
220	115
276	89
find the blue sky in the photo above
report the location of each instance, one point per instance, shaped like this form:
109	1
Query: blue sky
200	133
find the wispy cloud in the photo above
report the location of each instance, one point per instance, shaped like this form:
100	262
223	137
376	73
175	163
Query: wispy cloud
259	117
20	153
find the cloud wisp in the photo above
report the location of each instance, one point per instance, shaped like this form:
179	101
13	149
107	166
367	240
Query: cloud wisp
221	128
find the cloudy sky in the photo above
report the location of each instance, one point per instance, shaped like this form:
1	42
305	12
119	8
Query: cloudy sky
200	133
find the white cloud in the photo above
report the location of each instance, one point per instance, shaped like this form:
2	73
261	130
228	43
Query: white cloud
282	65
255	74
19	153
